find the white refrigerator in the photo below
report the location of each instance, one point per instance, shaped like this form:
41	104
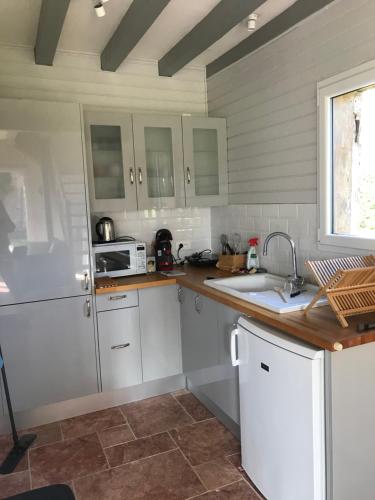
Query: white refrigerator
46	322
281	412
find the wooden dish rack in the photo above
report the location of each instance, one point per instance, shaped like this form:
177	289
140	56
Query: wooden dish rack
348	283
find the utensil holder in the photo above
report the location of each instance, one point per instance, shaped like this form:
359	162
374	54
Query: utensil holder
232	263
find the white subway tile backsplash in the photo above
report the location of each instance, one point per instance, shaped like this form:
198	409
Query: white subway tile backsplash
270	210
278	225
192	225
288	211
298	220
255	210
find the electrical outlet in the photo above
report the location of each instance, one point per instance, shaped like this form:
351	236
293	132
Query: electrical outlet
187	245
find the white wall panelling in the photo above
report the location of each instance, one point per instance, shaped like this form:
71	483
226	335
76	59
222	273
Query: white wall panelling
269	101
78	77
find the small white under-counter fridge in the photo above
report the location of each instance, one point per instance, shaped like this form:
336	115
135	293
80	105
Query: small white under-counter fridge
281	412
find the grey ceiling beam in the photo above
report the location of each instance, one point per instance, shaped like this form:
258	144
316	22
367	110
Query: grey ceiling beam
51	21
221	19
294	14
138	18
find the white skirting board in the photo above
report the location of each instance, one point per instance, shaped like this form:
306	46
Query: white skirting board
94	402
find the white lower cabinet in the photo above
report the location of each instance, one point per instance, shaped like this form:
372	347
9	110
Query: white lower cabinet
49	351
119	348
138	344
160	332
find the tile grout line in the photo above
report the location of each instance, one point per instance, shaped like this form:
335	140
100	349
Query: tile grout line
116	427
122	465
218	489
104	453
127	421
189	464
183	407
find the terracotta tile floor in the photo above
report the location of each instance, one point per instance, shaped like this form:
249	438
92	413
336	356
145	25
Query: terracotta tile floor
165	448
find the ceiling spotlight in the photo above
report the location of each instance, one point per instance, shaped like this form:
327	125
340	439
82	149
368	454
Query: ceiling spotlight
99	9
104	1
252	22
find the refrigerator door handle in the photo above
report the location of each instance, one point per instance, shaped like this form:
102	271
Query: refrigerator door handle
233	349
88	307
86	281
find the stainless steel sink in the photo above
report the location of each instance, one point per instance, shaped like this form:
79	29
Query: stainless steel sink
259	289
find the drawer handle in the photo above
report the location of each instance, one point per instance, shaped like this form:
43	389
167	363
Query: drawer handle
117	297
120	346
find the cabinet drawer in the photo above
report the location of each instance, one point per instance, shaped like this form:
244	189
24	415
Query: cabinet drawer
116	300
119	348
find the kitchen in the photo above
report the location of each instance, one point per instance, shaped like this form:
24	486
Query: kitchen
219	123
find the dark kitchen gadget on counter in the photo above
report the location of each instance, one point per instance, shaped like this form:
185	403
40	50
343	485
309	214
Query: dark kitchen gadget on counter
163	250
205	258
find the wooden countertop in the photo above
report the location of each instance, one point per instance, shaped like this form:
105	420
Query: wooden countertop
320	327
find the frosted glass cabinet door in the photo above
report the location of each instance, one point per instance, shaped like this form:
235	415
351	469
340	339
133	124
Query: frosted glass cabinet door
44	247
109	146
158	161
205	161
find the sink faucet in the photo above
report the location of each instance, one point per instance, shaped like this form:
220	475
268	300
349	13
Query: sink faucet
295	281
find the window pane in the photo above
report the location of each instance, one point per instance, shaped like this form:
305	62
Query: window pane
159	158
107	162
206	162
353	161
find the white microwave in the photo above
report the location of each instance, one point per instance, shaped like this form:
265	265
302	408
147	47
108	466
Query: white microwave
119	259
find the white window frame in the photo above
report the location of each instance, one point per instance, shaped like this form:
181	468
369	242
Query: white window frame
348	81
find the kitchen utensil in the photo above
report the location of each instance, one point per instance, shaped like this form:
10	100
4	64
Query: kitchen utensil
105	230
224	242
280	291
236	238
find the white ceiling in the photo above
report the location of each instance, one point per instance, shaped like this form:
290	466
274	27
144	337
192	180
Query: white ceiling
84	32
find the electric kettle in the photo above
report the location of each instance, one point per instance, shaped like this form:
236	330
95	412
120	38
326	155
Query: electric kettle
105	229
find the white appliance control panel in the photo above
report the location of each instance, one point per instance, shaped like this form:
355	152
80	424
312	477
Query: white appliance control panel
141	257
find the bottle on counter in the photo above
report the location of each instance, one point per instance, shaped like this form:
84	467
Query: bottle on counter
252	260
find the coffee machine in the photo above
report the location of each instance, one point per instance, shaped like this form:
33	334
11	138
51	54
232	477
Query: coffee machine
163	250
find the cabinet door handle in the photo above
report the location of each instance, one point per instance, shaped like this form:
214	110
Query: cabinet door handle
86	281
180	295
117	297
88	308
197	301
233	349
120	346
188	175
131	176
140	177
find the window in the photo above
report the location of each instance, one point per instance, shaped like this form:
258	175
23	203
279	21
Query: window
347	158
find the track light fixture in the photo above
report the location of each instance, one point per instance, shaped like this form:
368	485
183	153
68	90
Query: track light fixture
251	22
99	8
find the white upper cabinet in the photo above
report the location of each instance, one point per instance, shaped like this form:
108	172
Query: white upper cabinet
155	161
205	161
159	161
110	158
